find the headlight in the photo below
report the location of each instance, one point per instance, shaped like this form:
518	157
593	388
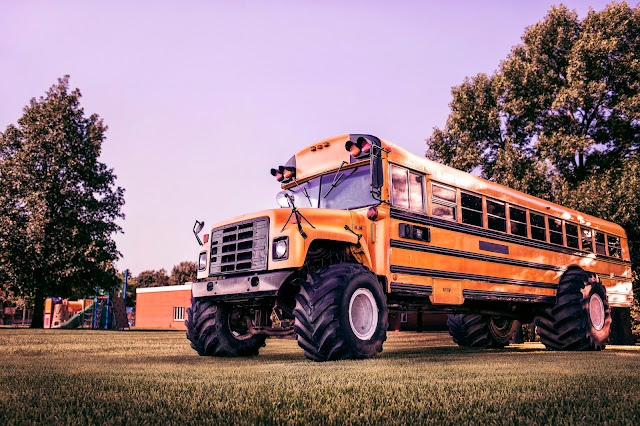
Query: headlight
202	262
281	249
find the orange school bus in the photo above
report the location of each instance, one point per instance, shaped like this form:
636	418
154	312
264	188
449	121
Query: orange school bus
365	227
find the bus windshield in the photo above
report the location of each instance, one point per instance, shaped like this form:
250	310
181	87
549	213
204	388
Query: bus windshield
345	190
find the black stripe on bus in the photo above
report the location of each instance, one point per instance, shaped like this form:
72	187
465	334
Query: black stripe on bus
411	289
486	233
397	269
470	255
507	297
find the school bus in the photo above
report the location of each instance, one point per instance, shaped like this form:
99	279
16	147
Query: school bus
365	226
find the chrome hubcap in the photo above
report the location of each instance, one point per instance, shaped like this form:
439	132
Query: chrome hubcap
363	314
596	311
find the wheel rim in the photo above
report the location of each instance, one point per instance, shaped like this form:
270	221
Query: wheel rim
238	325
596	311
501	326
363	314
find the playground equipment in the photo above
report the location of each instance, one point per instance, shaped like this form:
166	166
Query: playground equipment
102	312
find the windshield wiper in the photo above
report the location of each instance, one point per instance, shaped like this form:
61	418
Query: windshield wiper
298	216
304	191
336	179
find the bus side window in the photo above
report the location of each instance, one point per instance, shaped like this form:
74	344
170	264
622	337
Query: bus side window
471	209
416	200
538	228
518	221
555	231
572	235
443	202
600	244
614	246
587	238
399	187
496	216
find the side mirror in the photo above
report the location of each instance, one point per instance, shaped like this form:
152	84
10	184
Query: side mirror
197	227
377	174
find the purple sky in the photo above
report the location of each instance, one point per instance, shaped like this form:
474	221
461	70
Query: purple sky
202	98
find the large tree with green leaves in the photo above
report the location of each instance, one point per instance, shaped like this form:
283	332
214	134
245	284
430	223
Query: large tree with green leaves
184	272
560	118
58	203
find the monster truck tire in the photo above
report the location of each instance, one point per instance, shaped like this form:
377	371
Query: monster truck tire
211	334
480	331
581	318
341	313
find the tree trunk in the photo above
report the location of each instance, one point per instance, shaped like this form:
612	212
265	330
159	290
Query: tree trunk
38	309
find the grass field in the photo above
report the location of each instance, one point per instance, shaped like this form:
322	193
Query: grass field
85	377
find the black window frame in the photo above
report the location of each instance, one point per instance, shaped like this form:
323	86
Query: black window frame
511	221
537	227
496	217
466	209
443	202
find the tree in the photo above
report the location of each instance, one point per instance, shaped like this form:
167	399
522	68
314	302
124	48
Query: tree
151	278
560	118
183	272
58	202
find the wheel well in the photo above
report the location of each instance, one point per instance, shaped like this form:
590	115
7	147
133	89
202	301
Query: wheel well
327	252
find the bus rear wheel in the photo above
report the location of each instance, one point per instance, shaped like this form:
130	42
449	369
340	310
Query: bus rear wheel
480	331
581	318
218	329
341	313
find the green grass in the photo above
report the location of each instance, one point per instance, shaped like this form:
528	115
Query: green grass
85	377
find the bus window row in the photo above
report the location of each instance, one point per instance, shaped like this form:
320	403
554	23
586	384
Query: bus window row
409	192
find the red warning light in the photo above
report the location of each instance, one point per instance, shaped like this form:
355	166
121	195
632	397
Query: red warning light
359	148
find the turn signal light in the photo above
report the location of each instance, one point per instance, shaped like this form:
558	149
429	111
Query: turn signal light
360	148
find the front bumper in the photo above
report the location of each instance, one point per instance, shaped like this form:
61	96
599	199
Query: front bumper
244	287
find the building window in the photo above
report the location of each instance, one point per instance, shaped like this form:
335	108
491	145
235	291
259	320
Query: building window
443	202
614	246
178	313
572	235
538	228
471	209
587	238
403	317
518	221
555	231
496	216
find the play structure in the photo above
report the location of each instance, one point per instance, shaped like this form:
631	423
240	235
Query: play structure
100	312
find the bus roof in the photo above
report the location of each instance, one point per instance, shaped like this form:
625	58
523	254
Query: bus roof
313	160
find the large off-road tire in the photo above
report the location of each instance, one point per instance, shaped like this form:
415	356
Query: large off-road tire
341	313
480	331
218	329
581	318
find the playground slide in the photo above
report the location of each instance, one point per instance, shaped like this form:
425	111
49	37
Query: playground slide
78	318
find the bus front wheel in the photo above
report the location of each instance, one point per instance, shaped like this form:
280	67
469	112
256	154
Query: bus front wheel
341	313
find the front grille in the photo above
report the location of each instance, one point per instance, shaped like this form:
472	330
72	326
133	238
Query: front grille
239	247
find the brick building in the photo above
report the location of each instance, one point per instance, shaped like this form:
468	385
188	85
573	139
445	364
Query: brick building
163	307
